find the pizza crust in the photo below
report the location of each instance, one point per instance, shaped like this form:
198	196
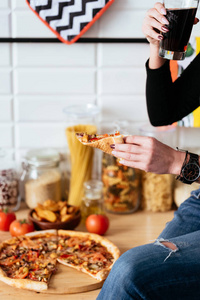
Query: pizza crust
41	232
104	143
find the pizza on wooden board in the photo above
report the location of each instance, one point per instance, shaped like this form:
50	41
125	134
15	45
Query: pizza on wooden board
29	261
100	141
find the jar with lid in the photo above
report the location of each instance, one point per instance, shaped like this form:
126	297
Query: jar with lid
121	190
41	177
157	189
83	160
92	202
9	183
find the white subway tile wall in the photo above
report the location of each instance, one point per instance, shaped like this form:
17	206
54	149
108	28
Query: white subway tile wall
37	80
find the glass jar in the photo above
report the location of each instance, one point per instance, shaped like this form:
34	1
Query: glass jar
121	186
157	189
9	184
83	160
41	177
92	202
121	190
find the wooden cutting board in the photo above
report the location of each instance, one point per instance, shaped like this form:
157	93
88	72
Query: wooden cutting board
66	280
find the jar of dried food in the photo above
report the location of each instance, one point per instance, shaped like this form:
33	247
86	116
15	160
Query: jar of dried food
41	177
157	189
121	186
92	202
9	184
83	160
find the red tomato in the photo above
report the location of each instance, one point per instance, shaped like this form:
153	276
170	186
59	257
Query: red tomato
20	227
97	224
6	218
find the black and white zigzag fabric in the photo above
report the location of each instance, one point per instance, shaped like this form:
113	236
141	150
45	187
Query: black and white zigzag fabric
69	19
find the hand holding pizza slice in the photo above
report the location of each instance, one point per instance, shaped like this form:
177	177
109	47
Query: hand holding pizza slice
101	141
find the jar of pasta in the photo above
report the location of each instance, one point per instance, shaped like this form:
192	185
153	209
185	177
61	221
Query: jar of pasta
121	189
83	160
41	177
157	191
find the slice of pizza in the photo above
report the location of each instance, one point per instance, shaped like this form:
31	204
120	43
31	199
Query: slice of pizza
86	252
28	262
100	141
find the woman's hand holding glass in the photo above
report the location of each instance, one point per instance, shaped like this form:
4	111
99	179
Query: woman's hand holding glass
154	23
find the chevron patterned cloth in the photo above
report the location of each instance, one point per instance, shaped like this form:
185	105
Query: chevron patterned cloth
69	19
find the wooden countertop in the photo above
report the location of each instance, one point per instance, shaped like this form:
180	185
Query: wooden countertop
126	231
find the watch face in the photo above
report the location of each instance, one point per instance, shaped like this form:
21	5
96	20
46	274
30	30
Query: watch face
191	172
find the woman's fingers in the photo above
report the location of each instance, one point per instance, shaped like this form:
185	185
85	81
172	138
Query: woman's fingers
136	139
154	22
127	155
160	7
128	148
134	164
157	15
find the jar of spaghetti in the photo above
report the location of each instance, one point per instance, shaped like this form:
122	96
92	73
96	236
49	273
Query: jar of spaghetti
121	189
80	118
41	177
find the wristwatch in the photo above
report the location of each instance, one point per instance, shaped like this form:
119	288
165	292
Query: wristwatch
190	170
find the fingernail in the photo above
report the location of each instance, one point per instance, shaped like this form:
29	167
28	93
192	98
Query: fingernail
160	37
165	29
112	146
163	11
165	21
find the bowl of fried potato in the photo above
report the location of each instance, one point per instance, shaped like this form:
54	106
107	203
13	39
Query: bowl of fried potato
55	215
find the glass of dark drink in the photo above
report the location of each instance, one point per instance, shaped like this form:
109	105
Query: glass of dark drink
181	15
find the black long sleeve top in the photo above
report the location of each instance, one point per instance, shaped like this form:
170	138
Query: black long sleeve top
167	101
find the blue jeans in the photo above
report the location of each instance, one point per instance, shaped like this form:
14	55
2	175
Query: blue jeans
154	271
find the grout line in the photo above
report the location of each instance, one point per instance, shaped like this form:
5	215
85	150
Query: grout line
98	81
14	106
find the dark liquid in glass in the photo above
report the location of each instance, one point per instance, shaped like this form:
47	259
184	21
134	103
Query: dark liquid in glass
180	27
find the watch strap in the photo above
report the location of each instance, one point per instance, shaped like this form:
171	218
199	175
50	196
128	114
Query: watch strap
189	158
180	176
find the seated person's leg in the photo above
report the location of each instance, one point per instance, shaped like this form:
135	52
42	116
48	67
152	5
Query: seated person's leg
186	218
154	271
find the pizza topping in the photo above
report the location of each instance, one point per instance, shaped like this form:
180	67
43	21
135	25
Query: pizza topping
9	261
89	138
21	273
